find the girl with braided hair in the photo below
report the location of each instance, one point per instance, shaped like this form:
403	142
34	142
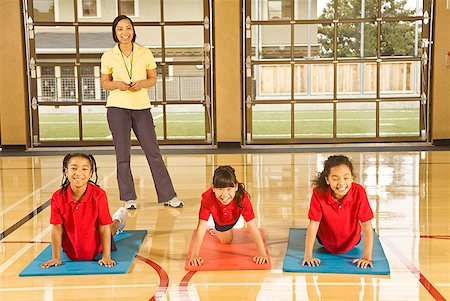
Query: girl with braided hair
82	224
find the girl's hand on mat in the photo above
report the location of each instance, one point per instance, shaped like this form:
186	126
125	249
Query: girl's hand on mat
196	261
50	263
311	262
107	262
363	263
260	259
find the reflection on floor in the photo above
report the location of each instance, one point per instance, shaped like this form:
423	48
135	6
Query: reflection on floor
408	192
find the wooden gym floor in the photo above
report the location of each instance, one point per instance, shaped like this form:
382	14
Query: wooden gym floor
408	191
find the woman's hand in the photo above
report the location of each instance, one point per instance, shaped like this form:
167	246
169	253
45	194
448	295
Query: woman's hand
51	263
196	261
260	259
122	86
107	262
363	263
136	86
311	261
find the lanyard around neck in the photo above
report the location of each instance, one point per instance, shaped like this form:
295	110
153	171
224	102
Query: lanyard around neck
129	71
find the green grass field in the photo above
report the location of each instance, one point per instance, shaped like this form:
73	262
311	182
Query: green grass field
266	124
319	124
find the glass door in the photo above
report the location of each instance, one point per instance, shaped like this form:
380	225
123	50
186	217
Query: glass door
66	39
324	71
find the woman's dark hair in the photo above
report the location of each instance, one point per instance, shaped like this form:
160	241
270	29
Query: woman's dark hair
224	177
320	181
114	25
65	181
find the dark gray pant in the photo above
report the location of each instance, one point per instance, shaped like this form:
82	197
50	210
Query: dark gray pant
120	122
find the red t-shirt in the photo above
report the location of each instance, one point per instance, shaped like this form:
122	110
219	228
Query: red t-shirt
225	214
340	228
81	237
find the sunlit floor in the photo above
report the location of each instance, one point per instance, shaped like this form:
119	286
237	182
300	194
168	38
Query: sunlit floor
408	191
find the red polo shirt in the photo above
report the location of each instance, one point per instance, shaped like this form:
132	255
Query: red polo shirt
81	238
340	228
225	214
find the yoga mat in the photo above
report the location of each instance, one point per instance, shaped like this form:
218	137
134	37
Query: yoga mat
127	244
238	255
332	263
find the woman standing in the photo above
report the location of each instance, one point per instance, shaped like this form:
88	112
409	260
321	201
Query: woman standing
128	70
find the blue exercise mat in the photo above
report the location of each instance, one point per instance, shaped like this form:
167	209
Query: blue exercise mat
332	263
127	244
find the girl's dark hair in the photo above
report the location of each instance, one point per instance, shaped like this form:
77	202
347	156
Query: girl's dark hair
320	181
65	181
114	25
224	177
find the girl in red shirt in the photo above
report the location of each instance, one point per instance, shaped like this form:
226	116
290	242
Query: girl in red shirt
338	209
226	201
82	225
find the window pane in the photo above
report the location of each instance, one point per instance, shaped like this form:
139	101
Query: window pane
58	123
176	10
348	80
89	8
127	8
95	124
400	79
325	36
281	9
150	37
322	9
401	38
184	43
56	83
146	10
354	10
186	84
357	40
322	76
67	85
369	77
158	121
272	82
401	8
91	89
300	80
44	10
313	120
271	10
271	121
46	83
313	41
54	40
355	120
399	119
94	41
185	122
271	42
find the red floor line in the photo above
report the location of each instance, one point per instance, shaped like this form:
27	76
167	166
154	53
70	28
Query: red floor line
415	271
183	287
435	236
163	278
